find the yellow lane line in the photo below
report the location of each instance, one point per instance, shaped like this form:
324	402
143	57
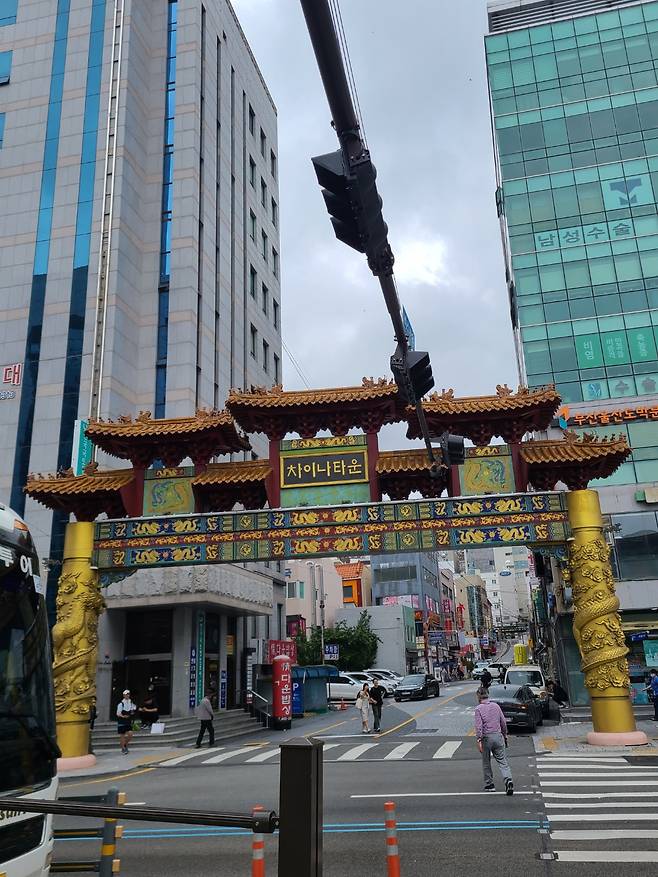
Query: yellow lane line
471	733
329	727
421	713
109	779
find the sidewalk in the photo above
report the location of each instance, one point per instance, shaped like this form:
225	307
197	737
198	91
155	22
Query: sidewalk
571	737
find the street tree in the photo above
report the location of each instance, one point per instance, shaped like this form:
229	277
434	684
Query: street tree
357	646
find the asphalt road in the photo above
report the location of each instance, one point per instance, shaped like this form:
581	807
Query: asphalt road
442	811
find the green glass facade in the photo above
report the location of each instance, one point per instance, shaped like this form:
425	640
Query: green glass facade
575	113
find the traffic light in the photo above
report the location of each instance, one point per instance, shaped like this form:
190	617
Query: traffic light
412	373
452	449
354	205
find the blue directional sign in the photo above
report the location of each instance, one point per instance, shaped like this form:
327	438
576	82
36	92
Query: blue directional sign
331	652
408	330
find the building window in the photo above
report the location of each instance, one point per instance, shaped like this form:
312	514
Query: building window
266	356
275	262
266	299
253	281
252	172
275	313
263	192
273	163
252	341
277	369
2	128
252	225
263	143
148	632
252	120
265	246
275	213
279	620
5	65
8	10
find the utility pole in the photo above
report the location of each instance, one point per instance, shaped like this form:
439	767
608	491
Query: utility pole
349	180
320	575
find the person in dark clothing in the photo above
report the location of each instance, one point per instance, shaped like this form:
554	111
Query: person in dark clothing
377	701
558	693
148	712
486	678
652	690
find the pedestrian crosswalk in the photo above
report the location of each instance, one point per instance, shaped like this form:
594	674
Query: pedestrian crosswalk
334	751
600	808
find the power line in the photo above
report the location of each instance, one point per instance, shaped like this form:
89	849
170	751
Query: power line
345	52
296	365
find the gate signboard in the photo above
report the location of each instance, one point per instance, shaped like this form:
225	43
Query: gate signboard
370	528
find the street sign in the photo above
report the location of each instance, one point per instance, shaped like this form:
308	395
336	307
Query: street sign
435	637
408	330
638	637
331	652
484	640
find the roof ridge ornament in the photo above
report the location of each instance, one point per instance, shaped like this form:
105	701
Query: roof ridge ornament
143	417
503	390
91	468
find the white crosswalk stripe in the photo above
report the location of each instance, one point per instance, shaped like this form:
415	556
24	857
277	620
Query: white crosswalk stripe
172	762
605	798
447	749
400	751
355	752
263	756
224	756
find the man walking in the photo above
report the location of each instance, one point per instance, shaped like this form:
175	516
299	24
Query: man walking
206	716
377	701
491	733
126	709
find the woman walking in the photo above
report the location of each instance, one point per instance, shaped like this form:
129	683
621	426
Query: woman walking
363	705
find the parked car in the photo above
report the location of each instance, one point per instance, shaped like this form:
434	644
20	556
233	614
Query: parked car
498	671
362	676
391	674
532	675
418	685
519	705
478	670
341	687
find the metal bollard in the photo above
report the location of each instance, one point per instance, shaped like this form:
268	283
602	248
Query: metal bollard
258	850
392	852
108	864
300	808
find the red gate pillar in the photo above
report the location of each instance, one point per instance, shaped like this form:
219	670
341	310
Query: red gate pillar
281	693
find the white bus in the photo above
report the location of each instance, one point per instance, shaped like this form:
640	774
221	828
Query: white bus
28	751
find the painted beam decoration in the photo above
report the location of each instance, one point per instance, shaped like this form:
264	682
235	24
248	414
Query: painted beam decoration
426	525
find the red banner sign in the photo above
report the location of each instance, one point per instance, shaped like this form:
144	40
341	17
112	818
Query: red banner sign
285	647
282	689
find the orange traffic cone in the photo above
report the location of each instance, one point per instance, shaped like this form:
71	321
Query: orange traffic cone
343	705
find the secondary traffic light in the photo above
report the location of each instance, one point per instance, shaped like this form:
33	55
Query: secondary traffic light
412	373
452	449
354	205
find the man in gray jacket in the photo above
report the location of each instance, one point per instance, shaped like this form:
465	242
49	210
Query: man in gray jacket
206	715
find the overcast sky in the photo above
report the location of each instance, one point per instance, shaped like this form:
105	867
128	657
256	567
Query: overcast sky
420	74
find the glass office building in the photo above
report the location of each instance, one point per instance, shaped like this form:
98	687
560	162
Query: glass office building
575	109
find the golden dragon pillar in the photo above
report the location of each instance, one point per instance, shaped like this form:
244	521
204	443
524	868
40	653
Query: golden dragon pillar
597	625
75	642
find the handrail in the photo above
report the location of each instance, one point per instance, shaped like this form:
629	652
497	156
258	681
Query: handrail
260	697
260	821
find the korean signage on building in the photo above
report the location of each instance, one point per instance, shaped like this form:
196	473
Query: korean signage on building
200	653
193	676
277	647
318	469
12	377
605	418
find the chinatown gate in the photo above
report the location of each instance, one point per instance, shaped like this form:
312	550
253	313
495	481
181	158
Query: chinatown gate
317	497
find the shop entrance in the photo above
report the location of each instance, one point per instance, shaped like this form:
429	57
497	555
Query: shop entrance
137	674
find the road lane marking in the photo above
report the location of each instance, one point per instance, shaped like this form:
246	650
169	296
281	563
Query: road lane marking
400	751
570	805
448	749
353	753
335	725
224	756
424	712
593	785
607	834
106	779
606	855
263	756
172	762
599	817
600	774
599	795
439	794
134	804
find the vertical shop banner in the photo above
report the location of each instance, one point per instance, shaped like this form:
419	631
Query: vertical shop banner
651	652
193	672
222	690
200	652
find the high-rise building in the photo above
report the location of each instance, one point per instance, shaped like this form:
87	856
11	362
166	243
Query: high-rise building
140	264
574	103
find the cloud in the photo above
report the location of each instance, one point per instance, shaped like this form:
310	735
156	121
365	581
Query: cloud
421	260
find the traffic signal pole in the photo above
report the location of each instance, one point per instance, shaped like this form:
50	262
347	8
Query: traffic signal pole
334	79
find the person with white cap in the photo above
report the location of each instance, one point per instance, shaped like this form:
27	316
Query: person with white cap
125	712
